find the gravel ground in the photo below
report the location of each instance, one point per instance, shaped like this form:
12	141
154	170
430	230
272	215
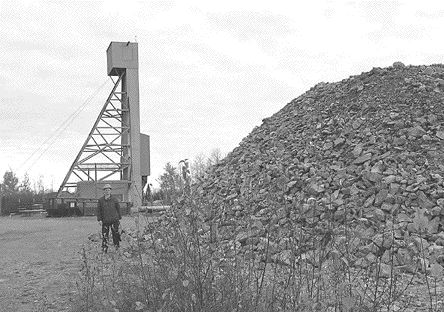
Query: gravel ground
40	259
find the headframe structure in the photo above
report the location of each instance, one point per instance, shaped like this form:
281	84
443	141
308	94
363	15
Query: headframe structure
115	152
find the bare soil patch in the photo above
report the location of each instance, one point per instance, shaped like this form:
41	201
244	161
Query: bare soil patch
40	261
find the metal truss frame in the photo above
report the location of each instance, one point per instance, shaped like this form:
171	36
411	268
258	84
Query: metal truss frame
103	155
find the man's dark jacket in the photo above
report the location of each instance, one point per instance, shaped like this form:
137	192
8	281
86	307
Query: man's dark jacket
108	210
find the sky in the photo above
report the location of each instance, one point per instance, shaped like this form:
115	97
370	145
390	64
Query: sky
209	71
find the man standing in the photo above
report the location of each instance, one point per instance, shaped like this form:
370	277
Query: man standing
108	215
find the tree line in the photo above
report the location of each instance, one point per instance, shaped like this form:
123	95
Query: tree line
15	193
172	182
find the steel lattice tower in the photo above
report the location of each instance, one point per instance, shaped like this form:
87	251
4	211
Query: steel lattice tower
112	150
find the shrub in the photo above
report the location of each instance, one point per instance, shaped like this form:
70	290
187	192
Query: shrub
184	261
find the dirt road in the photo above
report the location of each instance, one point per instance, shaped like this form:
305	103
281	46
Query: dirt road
40	259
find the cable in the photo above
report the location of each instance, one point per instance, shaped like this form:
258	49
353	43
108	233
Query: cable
56	134
76	112
66	124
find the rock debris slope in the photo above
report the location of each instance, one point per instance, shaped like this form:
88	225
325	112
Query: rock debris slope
370	147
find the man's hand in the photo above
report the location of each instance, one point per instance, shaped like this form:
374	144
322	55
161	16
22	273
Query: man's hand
100	223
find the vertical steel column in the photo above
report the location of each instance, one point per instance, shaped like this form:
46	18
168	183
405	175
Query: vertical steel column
131	83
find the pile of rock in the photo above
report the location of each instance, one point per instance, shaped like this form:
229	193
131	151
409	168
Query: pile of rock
368	149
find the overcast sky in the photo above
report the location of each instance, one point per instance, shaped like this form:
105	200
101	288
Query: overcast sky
210	71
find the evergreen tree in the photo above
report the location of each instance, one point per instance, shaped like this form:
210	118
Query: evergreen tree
170	184
10	183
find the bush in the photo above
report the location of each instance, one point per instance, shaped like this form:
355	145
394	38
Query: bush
183	261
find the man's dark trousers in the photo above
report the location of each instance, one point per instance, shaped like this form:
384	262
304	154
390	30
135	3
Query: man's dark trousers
114	226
